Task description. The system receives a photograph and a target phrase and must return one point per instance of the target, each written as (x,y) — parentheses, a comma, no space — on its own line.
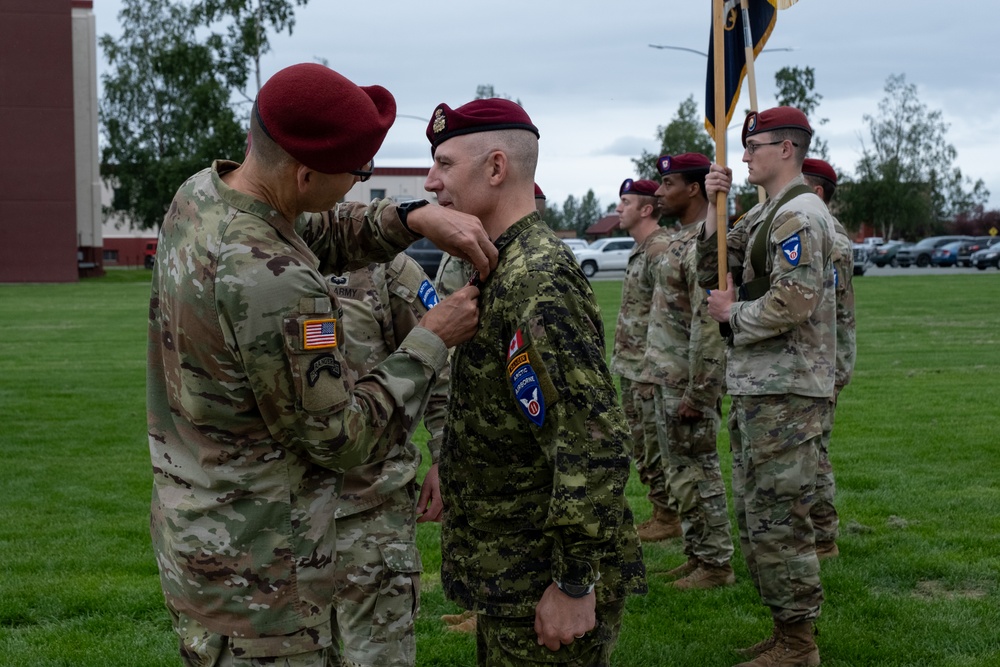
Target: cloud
(627,147)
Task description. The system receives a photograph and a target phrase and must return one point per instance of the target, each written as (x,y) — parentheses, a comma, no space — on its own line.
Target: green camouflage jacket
(843,264)
(250,404)
(382,303)
(536,449)
(785,341)
(684,351)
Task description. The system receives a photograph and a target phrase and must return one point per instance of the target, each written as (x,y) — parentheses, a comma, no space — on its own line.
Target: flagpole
(751,77)
(719,59)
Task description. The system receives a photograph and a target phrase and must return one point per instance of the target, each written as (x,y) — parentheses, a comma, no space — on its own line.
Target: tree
(245,40)
(684,134)
(485,91)
(906,180)
(796,88)
(165,111)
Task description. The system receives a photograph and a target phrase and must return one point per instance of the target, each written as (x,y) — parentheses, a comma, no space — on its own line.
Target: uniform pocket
(399,590)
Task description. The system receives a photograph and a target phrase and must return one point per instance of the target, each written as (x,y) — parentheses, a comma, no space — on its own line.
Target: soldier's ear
(498,165)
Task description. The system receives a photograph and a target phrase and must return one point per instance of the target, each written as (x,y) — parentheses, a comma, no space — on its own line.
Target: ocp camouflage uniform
(250,408)
(378,566)
(453,274)
(685,360)
(780,373)
(824,513)
(638,398)
(535,454)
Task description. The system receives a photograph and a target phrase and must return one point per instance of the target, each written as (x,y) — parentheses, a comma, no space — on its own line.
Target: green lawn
(915,451)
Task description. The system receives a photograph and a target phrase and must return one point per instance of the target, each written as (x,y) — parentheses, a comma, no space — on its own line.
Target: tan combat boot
(761,646)
(689,566)
(468,626)
(455,619)
(707,576)
(826,550)
(663,525)
(794,647)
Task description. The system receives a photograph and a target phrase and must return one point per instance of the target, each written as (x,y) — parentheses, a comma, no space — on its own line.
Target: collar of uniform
(515,230)
(241,200)
(759,212)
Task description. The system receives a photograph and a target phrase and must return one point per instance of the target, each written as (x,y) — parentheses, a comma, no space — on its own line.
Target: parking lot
(873,272)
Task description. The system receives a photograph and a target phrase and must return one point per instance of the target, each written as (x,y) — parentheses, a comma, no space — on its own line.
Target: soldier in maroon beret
(537,536)
(539,200)
(780,372)
(251,412)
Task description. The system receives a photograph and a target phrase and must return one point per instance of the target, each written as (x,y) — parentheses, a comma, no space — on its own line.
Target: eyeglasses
(365,172)
(753,146)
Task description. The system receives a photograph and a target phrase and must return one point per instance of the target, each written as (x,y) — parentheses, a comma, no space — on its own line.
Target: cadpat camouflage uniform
(378,566)
(631,335)
(780,373)
(535,455)
(824,514)
(250,408)
(685,360)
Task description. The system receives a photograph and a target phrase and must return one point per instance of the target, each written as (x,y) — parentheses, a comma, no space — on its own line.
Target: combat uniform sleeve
(411,295)
(797,280)
(706,349)
(708,255)
(287,331)
(583,434)
(843,262)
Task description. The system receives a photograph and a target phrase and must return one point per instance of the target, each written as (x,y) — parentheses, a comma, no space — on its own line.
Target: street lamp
(702,53)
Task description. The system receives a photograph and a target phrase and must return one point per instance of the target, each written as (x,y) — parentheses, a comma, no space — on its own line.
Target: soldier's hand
(719,179)
(430,505)
(720,301)
(560,619)
(458,234)
(456,318)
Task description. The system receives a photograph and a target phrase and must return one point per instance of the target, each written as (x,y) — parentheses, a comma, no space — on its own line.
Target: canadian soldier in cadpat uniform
(822,178)
(685,361)
(639,214)
(378,566)
(779,371)
(537,535)
(251,412)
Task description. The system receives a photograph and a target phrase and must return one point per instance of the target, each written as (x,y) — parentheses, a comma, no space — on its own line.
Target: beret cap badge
(439,121)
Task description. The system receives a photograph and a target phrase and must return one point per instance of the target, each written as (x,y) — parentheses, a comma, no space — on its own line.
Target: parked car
(920,253)
(605,255)
(987,257)
(862,258)
(885,254)
(427,254)
(975,245)
(946,255)
(576,244)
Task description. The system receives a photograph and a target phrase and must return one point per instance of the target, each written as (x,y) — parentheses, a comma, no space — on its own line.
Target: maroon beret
(813,167)
(643,187)
(538,192)
(778,118)
(477,116)
(678,164)
(322,119)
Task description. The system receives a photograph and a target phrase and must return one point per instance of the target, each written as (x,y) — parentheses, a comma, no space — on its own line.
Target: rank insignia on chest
(428,296)
(318,334)
(527,389)
(792,250)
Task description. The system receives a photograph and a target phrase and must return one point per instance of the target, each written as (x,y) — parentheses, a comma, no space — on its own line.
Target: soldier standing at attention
(821,177)
(685,361)
(378,566)
(639,214)
(779,372)
(249,406)
(537,536)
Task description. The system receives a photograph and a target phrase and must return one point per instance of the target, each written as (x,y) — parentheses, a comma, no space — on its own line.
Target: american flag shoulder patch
(317,334)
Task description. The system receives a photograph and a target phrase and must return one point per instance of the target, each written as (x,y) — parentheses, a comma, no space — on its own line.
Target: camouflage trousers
(826,521)
(512,642)
(378,583)
(775,443)
(638,403)
(200,647)
(694,479)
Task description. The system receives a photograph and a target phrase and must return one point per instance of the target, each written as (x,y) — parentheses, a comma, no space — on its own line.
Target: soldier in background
(537,535)
(685,361)
(639,214)
(249,407)
(779,371)
(378,566)
(821,177)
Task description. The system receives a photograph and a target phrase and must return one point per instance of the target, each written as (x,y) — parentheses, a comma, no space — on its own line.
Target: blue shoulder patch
(527,389)
(836,277)
(792,249)
(428,296)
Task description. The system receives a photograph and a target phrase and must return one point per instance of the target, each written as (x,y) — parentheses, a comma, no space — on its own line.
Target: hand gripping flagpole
(719,60)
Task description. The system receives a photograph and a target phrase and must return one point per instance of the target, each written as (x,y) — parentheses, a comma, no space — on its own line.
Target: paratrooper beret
(643,187)
(484,115)
(778,118)
(813,167)
(678,164)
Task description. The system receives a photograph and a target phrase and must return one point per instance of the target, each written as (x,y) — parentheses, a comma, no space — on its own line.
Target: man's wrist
(575,591)
(407,207)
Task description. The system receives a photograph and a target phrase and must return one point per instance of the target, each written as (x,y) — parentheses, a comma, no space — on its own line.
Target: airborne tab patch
(317,334)
(791,248)
(427,295)
(527,389)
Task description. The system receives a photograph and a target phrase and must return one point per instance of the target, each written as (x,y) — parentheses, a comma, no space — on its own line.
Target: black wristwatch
(575,590)
(404,209)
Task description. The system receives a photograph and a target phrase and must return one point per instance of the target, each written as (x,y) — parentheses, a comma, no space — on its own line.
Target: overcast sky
(584,71)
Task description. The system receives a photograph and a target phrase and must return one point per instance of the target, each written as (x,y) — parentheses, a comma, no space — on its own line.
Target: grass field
(915,451)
